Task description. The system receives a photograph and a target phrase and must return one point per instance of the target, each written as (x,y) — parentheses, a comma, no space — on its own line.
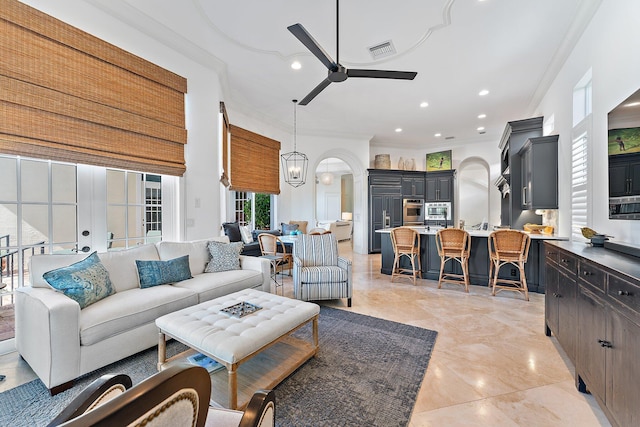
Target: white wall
(609,46)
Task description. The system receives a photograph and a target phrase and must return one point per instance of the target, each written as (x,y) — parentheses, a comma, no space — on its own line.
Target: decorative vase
(410,164)
(401,163)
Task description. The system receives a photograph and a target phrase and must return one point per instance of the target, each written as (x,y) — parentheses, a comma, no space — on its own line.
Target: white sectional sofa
(62,342)
(340,229)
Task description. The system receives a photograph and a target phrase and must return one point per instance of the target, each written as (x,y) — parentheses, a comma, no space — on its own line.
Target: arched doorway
(473,191)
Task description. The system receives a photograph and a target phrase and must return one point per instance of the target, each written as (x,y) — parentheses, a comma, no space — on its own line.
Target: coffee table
(257,349)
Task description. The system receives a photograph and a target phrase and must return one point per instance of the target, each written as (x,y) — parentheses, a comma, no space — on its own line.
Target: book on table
(205,361)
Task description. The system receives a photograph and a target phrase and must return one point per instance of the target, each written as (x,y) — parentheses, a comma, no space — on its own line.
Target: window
(134,208)
(580,185)
(579,193)
(582,99)
(38,214)
(245,204)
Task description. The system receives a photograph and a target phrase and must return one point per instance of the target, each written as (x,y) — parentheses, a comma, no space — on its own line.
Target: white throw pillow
(246,234)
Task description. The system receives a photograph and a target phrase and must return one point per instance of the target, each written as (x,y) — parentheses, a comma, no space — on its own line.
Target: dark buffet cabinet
(592,306)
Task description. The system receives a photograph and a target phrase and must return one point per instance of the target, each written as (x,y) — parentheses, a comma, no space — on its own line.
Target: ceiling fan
(338,73)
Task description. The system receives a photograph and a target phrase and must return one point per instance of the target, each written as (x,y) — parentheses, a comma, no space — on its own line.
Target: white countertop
(477,233)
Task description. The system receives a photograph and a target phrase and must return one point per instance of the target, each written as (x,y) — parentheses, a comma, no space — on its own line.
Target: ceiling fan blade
(382,74)
(303,35)
(315,92)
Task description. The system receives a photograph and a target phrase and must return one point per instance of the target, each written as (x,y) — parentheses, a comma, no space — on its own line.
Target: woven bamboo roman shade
(255,162)
(67,95)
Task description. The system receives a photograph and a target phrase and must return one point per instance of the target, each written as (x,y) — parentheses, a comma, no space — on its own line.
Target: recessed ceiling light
(481,128)
(424,104)
(632,104)
(482,116)
(483,92)
(296,65)
(437,135)
(398,130)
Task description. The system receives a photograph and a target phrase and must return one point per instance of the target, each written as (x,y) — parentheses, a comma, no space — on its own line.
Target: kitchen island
(478,258)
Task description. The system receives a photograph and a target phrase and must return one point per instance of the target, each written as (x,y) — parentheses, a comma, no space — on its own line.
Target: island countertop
(478,260)
(476,233)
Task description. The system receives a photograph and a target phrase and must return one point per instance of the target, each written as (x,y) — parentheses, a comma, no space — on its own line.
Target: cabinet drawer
(589,273)
(385,180)
(551,253)
(624,292)
(568,262)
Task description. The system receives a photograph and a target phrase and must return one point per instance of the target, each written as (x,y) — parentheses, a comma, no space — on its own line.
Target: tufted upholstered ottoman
(261,341)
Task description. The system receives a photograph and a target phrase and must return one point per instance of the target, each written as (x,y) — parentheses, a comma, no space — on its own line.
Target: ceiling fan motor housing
(338,75)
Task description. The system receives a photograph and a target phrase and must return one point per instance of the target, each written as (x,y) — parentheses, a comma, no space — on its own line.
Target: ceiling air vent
(449,137)
(382,50)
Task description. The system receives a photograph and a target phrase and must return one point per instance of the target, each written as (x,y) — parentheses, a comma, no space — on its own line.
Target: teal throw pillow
(153,273)
(85,282)
(224,256)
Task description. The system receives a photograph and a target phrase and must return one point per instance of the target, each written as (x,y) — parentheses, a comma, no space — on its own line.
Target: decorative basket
(383,161)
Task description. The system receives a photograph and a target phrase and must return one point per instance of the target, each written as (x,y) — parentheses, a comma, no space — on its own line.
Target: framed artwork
(623,141)
(440,161)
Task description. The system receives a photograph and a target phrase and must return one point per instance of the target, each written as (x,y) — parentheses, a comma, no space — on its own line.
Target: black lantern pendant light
(294,163)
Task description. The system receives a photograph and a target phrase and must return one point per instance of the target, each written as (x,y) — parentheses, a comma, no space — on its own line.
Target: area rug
(367,373)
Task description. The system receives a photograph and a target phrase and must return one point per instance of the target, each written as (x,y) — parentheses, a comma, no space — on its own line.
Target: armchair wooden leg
(348,302)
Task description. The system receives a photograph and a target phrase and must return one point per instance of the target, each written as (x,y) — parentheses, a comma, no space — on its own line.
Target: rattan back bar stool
(508,247)
(454,244)
(406,242)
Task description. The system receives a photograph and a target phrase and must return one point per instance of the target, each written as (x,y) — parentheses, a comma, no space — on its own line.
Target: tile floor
(492,365)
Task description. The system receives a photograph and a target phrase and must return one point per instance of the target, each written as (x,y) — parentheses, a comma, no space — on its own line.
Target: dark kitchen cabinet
(509,183)
(385,204)
(413,185)
(624,175)
(539,173)
(439,186)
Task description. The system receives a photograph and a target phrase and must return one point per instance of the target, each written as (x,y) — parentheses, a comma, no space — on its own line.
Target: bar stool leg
(523,280)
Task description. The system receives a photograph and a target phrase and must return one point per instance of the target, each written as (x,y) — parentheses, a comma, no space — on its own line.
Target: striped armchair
(318,272)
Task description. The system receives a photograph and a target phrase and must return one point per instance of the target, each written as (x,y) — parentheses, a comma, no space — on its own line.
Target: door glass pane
(8,225)
(136,188)
(35,224)
(34,181)
(64,223)
(115,186)
(9,188)
(136,221)
(63,183)
(116,216)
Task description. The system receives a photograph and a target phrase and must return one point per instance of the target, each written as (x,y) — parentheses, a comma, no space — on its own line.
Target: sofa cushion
(287,229)
(232,231)
(40,264)
(323,274)
(246,234)
(209,286)
(197,250)
(127,310)
(85,282)
(224,256)
(154,273)
(302,225)
(121,265)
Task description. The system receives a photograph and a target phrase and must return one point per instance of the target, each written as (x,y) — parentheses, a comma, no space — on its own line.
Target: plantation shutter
(255,164)
(579,195)
(67,95)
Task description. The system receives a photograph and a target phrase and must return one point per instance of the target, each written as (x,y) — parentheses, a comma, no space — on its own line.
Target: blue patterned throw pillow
(85,282)
(153,273)
(224,256)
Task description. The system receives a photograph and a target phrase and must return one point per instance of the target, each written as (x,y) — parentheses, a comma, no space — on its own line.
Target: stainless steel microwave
(624,207)
(437,211)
